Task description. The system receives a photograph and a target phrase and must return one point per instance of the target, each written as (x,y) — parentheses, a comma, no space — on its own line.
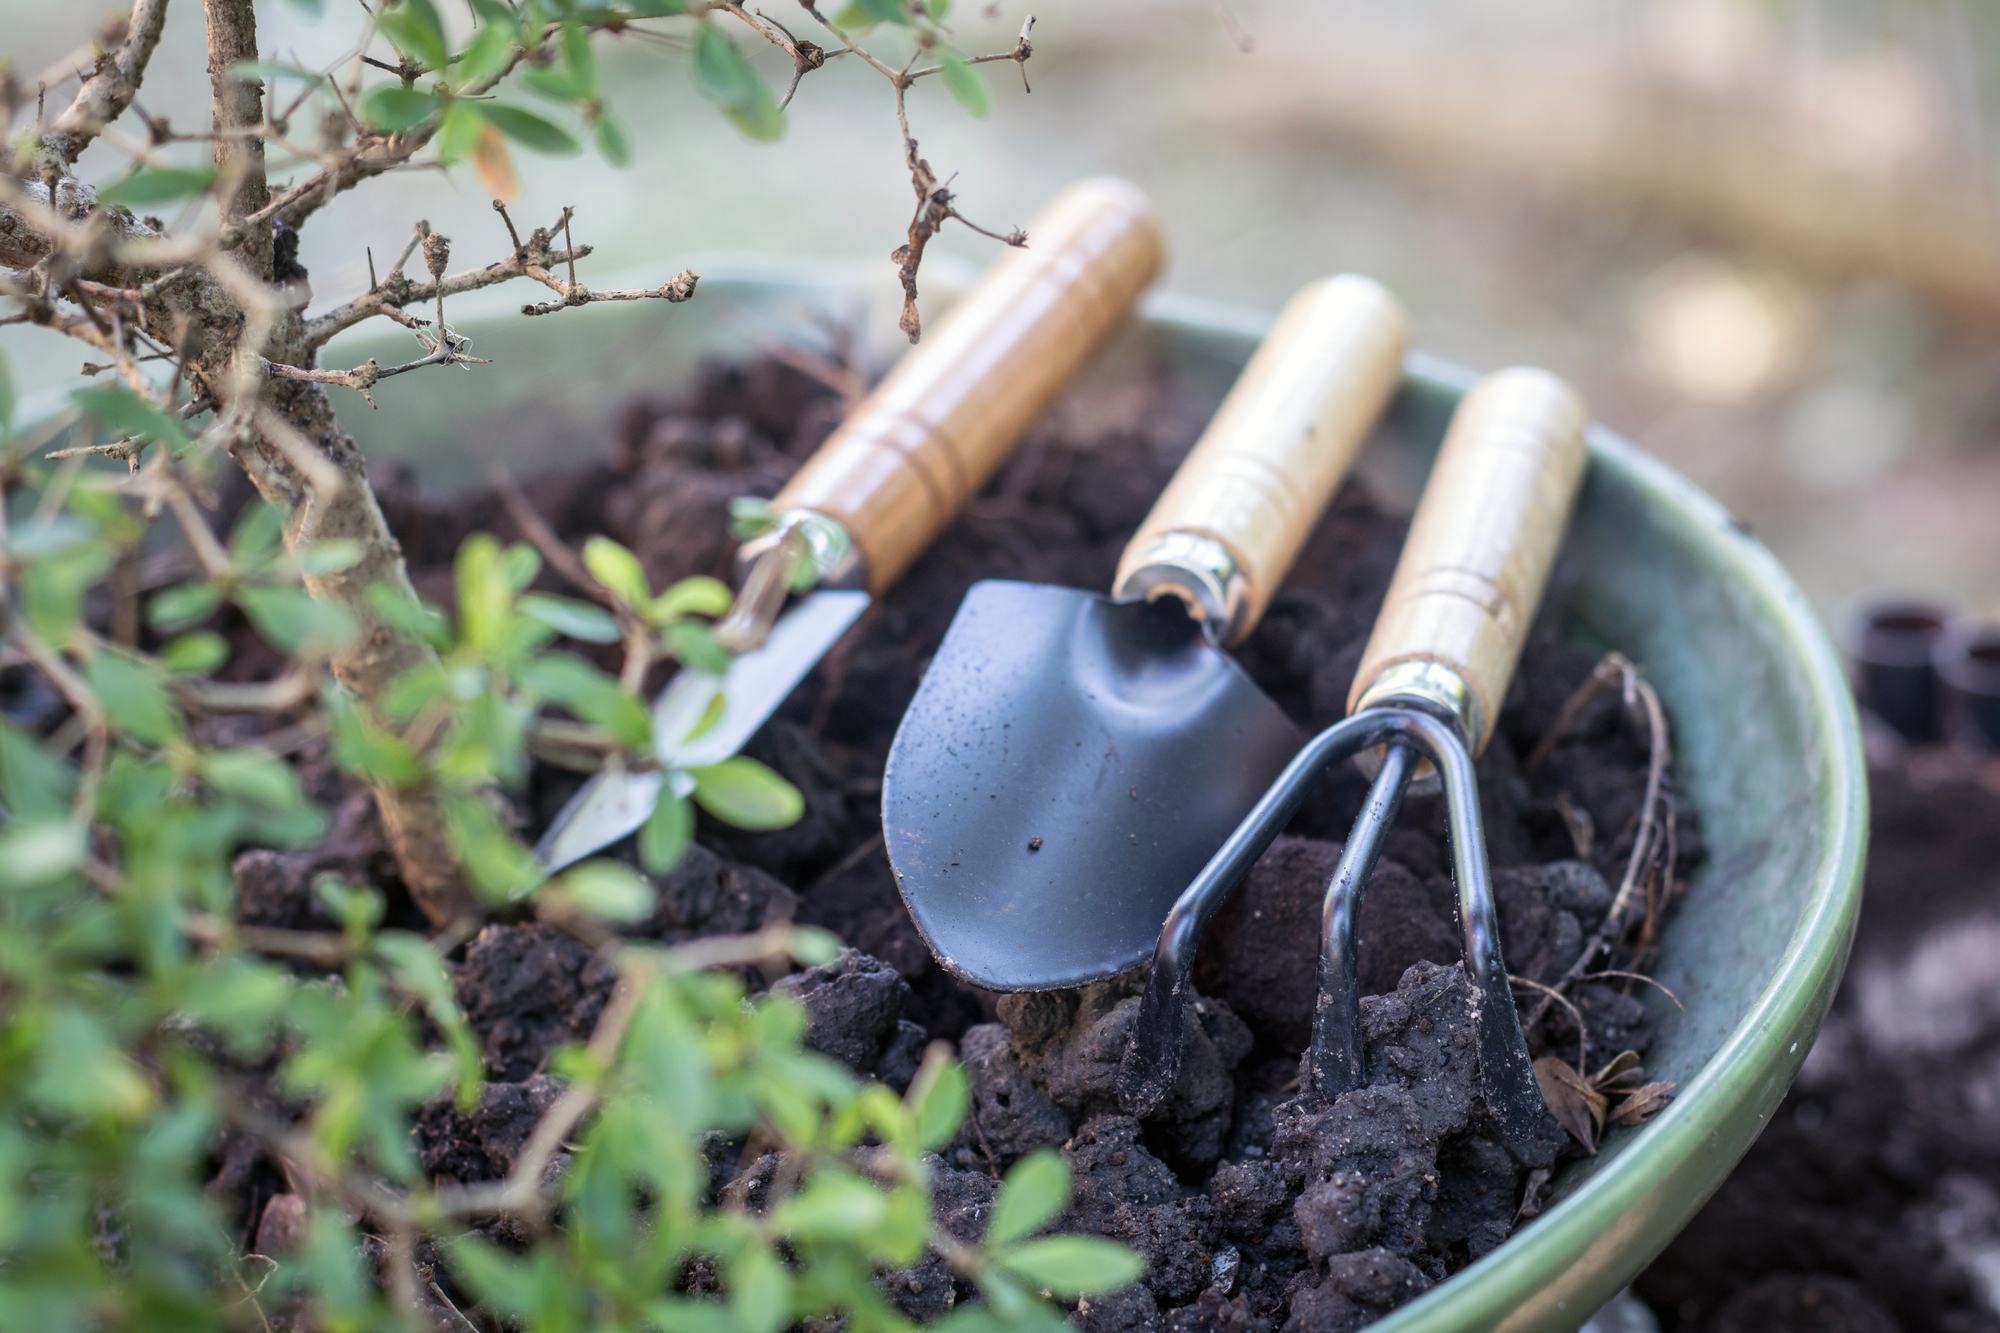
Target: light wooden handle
(1483,540)
(931,434)
(1233,518)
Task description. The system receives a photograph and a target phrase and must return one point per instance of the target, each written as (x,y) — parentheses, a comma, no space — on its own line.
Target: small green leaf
(578,56)
(34,784)
(1031,1196)
(853,19)
(695,644)
(618,570)
(611,140)
(657,9)
(413,27)
(296,621)
(937,9)
(836,1205)
(367,751)
(742,792)
(496,862)
(724,77)
(1075,1266)
(579,620)
(401,612)
(609,890)
(751,516)
(254,776)
(967,84)
(557,84)
(885,11)
(330,557)
(458,132)
(127,413)
(697,595)
(187,604)
(133,697)
(157,185)
(392,108)
(813,947)
(664,837)
(195,654)
(760,1291)
(937,1101)
(488,52)
(530,130)
(35,851)
(255,537)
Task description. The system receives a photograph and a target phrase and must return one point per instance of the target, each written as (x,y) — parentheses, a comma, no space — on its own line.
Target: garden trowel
(887,482)
(1070,760)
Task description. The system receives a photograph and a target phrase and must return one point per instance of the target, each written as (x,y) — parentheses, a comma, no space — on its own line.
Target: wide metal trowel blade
(1067,766)
(614,804)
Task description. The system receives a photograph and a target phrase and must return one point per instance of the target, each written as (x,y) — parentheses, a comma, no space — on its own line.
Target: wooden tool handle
(1270,460)
(1483,539)
(932,433)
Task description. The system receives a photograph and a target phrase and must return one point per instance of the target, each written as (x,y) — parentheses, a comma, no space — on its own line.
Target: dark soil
(1872,1202)
(1254,1206)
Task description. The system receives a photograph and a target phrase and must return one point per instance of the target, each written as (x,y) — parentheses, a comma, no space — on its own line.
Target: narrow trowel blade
(1067,766)
(614,804)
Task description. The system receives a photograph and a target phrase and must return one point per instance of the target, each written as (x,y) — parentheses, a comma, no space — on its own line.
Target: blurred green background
(1759,236)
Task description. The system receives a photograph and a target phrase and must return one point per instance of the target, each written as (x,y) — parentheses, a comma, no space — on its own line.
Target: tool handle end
(1229,525)
(1483,540)
(924,441)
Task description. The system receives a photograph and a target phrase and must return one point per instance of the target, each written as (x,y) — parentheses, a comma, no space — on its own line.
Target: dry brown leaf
(1642,1104)
(495,165)
(1622,1064)
(1531,1196)
(1577,1107)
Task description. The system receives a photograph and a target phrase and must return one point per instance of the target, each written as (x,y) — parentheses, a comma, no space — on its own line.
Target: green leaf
(6,399)
(401,612)
(195,654)
(1074,1266)
(530,130)
(937,9)
(590,694)
(696,595)
(34,784)
(724,77)
(814,947)
(366,750)
(1031,1196)
(392,108)
(609,890)
(760,1291)
(187,604)
(255,537)
(751,516)
(967,84)
(657,9)
(133,697)
(579,620)
(742,792)
(836,1205)
(35,851)
(458,132)
(495,861)
(885,11)
(853,19)
(253,776)
(127,413)
(937,1100)
(664,837)
(330,557)
(414,29)
(618,570)
(296,621)
(557,84)
(577,55)
(611,140)
(157,185)
(696,645)
(488,52)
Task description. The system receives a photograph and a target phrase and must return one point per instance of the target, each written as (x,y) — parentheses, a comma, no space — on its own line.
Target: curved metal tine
(1516,1095)
(1334,1060)
(1152,1063)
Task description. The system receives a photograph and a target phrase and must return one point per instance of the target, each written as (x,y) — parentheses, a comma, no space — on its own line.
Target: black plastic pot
(1891,644)
(1967,661)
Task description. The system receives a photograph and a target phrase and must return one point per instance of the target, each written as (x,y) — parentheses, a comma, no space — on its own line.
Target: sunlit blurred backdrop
(1759,234)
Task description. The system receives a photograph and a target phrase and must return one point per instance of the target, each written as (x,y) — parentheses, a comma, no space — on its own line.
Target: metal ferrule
(834,555)
(1432,687)
(1197,570)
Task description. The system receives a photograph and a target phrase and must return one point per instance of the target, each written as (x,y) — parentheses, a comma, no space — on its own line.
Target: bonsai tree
(212,307)
(145,1032)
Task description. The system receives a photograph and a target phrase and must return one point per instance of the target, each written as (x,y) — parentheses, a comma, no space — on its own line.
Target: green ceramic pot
(1765,737)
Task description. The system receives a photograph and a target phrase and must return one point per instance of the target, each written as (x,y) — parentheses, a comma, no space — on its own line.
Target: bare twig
(106,94)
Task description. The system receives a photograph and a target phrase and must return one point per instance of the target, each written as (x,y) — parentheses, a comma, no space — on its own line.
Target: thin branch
(106,94)
(544,539)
